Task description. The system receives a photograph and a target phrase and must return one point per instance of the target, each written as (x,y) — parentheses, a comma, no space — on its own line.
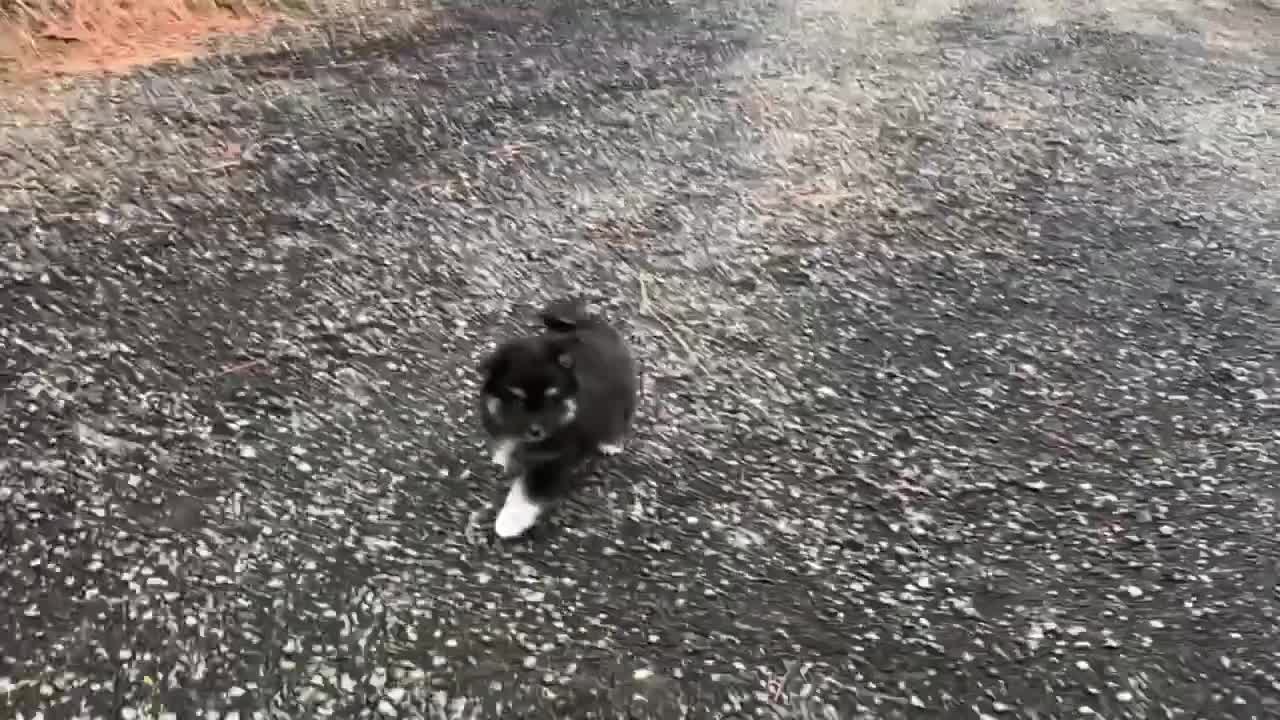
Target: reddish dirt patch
(82,36)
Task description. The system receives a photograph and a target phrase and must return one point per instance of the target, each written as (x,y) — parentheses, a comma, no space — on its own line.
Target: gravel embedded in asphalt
(959,327)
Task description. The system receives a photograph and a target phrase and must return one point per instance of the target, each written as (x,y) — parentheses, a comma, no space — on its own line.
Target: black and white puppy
(551,400)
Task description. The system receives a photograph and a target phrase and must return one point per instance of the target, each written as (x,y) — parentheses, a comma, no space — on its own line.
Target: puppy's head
(529,388)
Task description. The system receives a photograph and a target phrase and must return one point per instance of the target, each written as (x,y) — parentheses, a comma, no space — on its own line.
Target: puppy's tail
(566,315)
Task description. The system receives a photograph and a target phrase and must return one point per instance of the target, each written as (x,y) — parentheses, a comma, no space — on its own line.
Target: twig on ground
(863,692)
(240,367)
(644,295)
(221,166)
(666,322)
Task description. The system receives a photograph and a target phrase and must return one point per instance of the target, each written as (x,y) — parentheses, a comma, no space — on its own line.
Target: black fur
(576,358)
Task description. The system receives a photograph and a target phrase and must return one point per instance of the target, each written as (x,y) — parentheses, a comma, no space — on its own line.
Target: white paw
(503,450)
(610,448)
(518,513)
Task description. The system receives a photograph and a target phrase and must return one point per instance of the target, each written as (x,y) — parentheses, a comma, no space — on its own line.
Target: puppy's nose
(537,433)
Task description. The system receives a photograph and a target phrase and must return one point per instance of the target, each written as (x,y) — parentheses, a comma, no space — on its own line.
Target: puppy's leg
(519,512)
(615,440)
(529,498)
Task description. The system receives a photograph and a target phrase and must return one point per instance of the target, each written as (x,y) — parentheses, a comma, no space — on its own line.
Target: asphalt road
(959,326)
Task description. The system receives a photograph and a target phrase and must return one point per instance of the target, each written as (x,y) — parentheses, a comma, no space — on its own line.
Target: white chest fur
(502,452)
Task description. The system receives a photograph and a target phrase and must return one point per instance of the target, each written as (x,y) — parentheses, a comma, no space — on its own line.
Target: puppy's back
(606,369)
(568,315)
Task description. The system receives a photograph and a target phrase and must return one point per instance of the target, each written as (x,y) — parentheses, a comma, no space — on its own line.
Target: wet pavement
(959,327)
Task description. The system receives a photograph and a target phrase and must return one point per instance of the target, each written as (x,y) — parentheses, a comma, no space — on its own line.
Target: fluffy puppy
(551,400)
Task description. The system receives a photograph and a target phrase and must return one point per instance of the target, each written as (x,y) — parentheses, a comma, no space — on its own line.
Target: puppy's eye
(516,392)
(493,405)
(552,392)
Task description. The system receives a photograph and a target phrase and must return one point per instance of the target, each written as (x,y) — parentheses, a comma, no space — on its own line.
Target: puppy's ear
(491,365)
